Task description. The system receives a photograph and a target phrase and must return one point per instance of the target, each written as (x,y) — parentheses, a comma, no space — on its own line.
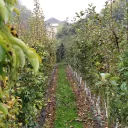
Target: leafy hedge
(96,46)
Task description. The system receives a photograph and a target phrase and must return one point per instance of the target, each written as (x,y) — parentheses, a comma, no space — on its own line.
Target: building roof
(52,20)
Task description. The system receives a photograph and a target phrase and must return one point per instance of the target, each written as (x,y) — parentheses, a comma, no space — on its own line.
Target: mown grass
(66,112)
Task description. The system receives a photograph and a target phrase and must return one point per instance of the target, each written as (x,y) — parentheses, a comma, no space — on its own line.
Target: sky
(61,9)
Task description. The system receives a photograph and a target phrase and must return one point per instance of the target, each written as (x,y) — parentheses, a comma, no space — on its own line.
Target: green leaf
(2,53)
(114,78)
(99,83)
(34,59)
(16,11)
(96,75)
(81,13)
(3,109)
(124,86)
(107,75)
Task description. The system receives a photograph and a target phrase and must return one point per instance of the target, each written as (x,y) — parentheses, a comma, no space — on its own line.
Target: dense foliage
(33,87)
(96,47)
(21,84)
(60,53)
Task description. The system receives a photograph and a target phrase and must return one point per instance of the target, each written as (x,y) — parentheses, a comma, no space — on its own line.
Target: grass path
(66,110)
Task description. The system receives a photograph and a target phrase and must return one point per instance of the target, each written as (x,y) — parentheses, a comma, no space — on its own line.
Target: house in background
(52,26)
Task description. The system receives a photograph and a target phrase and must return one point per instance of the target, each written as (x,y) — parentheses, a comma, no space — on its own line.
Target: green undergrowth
(66,111)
